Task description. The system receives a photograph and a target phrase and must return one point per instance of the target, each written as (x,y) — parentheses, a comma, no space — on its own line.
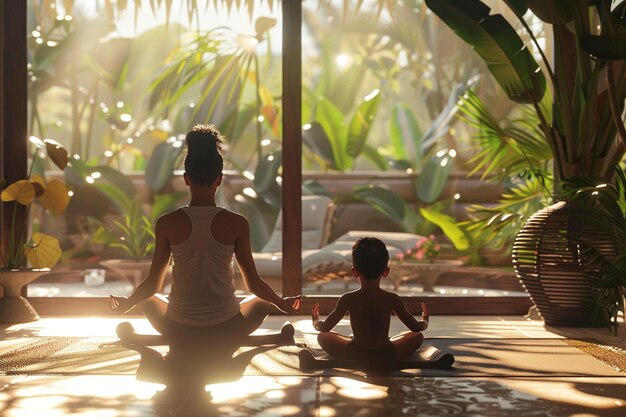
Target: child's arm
(332,319)
(408,319)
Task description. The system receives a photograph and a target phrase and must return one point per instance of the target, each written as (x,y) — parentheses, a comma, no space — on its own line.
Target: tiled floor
(345,395)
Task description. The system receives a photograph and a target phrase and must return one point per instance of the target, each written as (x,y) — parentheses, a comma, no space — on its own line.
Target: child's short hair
(370,257)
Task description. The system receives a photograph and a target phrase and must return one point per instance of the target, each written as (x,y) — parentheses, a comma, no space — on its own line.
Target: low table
(423,272)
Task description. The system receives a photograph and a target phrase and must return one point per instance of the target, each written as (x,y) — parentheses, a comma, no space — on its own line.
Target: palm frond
(192,8)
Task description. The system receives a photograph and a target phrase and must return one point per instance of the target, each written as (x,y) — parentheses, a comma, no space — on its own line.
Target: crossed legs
(253,309)
(336,344)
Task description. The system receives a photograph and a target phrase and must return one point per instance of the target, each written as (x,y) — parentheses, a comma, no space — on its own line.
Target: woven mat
(474,357)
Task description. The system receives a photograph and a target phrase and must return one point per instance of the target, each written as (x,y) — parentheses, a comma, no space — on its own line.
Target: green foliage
(498,44)
(338,143)
(512,151)
(448,225)
(136,236)
(504,148)
(582,130)
(607,275)
(166,156)
(497,225)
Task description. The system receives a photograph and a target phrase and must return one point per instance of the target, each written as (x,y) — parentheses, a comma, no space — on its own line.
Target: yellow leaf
(43,251)
(21,191)
(262,25)
(38,179)
(57,153)
(39,183)
(56,197)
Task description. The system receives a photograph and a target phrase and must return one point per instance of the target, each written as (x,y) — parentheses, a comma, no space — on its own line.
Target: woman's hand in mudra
(291,305)
(119,304)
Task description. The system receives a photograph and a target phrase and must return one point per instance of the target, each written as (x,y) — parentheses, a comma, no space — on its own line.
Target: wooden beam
(438,306)
(13,103)
(292,147)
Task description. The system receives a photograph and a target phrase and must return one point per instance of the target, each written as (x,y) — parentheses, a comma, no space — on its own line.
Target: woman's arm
(254,283)
(153,282)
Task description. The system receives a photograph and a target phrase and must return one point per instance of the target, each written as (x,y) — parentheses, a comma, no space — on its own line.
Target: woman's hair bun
(204,140)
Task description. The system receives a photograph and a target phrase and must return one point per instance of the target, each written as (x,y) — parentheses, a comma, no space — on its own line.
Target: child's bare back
(370,316)
(370,309)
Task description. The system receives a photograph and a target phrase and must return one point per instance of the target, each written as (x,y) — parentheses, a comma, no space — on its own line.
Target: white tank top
(203,290)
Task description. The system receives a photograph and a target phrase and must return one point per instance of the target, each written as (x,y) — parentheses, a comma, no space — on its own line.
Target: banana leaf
(265,185)
(361,123)
(372,155)
(314,138)
(405,134)
(445,119)
(382,200)
(331,120)
(346,87)
(448,226)
(117,197)
(498,44)
(165,158)
(432,180)
(605,47)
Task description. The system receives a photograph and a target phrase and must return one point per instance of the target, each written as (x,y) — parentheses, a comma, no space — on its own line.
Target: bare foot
(286,334)
(125,331)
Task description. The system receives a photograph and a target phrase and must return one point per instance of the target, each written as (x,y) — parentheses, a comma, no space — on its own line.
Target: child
(370,309)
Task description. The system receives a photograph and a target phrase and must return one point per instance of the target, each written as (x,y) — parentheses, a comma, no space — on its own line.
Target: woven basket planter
(548,262)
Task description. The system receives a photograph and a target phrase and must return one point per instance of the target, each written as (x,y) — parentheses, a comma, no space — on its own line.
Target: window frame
(14,159)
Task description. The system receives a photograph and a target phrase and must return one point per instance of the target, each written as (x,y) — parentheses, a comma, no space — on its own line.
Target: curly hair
(370,256)
(203,156)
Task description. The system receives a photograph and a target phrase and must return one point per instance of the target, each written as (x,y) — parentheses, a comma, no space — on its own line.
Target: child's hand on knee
(315,315)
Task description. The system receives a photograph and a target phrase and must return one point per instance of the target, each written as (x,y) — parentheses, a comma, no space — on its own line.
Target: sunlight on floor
(587,392)
(337,395)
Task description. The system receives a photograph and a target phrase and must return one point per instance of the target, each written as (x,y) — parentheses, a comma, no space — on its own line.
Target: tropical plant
(510,151)
(419,153)
(585,81)
(40,250)
(220,62)
(135,234)
(588,89)
(337,143)
(607,202)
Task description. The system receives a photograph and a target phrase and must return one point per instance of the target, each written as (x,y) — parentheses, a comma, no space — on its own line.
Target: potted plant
(133,234)
(23,258)
(585,81)
(421,263)
(608,273)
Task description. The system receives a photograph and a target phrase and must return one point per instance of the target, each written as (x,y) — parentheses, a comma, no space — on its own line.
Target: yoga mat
(474,357)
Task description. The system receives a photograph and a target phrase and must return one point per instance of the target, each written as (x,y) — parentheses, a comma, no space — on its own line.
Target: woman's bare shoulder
(172,216)
(232,216)
(172,220)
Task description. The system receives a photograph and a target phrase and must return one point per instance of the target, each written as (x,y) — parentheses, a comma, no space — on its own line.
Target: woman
(202,238)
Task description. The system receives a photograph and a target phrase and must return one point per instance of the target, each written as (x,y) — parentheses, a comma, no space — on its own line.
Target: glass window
(119,93)
(383,150)
(382,137)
